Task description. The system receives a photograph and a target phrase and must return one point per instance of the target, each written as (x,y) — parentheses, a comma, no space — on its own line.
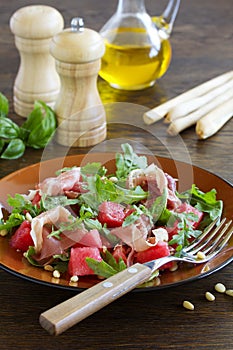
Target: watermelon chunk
(160,250)
(21,239)
(111,213)
(77,264)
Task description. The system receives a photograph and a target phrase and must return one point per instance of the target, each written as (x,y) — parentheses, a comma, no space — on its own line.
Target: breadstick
(213,121)
(180,124)
(185,108)
(160,111)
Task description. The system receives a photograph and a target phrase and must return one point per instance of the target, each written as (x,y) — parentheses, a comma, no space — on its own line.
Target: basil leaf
(4,105)
(2,144)
(41,124)
(8,129)
(15,149)
(33,119)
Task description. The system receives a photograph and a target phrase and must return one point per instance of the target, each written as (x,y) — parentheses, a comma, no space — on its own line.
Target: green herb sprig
(35,132)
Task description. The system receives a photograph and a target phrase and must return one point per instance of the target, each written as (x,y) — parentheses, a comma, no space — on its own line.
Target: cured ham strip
(52,217)
(47,247)
(52,246)
(135,235)
(30,196)
(149,175)
(154,180)
(54,186)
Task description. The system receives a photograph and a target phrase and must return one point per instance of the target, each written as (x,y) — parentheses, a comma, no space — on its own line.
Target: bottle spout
(165,22)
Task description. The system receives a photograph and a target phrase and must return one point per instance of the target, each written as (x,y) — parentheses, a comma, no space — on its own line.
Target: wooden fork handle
(65,315)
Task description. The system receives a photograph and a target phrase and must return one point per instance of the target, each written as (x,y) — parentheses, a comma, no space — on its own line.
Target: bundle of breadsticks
(209,106)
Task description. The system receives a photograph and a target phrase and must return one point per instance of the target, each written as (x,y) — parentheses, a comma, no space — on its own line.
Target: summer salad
(86,221)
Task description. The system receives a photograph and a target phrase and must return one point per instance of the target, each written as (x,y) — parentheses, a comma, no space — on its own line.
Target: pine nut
(220,288)
(48,268)
(113,179)
(3,232)
(209,296)
(201,256)
(56,274)
(174,267)
(229,292)
(28,217)
(74,279)
(187,305)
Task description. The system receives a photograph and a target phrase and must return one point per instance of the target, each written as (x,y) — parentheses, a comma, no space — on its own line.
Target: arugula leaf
(100,268)
(165,217)
(73,224)
(110,260)
(61,262)
(136,213)
(4,105)
(185,231)
(61,265)
(91,224)
(86,212)
(93,169)
(128,161)
(159,206)
(101,190)
(106,267)
(14,220)
(29,256)
(50,202)
(63,170)
(20,204)
(205,202)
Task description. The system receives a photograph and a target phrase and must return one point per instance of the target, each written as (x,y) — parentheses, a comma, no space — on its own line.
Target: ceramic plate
(26,178)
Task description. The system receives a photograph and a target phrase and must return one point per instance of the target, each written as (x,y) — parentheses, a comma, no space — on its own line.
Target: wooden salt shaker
(37,78)
(79,109)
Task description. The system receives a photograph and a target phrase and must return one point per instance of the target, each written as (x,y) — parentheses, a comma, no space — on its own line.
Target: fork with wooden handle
(65,315)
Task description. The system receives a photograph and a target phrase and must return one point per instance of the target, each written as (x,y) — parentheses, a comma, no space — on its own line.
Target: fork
(63,316)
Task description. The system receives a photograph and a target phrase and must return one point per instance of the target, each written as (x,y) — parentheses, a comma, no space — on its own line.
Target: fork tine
(196,242)
(208,238)
(219,243)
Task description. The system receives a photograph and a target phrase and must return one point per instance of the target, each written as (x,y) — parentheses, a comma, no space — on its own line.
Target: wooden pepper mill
(37,78)
(79,109)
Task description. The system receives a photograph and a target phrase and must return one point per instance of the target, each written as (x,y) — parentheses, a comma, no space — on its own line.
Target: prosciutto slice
(46,247)
(151,175)
(135,235)
(52,217)
(54,186)
(155,181)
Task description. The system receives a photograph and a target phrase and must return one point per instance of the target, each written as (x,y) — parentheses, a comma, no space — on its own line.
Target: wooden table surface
(202,43)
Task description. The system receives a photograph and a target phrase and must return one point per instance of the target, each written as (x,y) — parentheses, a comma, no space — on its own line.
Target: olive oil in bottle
(136,65)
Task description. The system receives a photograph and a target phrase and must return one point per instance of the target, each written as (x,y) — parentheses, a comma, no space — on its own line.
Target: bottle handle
(165,22)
